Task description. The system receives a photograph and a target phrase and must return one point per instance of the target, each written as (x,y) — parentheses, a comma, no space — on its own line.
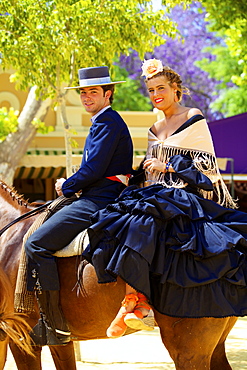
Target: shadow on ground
(142,351)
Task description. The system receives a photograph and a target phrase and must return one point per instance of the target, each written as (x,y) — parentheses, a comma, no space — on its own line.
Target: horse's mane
(12,193)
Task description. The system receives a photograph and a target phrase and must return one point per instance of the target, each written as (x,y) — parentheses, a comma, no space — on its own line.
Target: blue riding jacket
(108,152)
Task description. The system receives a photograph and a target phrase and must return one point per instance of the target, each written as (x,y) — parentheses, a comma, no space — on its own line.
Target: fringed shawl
(194,140)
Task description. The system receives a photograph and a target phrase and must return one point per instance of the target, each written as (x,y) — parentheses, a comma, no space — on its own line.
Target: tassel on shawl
(204,162)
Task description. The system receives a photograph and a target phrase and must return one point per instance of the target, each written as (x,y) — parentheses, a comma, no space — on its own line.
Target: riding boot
(38,333)
(52,328)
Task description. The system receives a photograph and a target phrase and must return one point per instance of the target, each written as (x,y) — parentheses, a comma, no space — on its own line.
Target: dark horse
(192,343)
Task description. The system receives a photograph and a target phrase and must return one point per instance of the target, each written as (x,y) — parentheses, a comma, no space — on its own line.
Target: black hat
(94,76)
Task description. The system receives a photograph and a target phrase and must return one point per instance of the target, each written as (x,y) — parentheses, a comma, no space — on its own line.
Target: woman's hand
(153,164)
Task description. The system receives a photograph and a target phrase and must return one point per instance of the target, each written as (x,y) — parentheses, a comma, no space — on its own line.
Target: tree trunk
(67,137)
(16,144)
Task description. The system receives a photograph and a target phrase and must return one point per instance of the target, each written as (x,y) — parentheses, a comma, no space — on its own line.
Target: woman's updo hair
(172,77)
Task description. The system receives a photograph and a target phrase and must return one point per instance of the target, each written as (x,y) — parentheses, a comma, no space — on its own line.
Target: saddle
(24,300)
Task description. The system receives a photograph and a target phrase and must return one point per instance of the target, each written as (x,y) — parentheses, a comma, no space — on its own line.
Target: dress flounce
(187,254)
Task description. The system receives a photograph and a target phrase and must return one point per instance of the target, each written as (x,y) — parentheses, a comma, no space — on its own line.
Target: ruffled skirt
(185,253)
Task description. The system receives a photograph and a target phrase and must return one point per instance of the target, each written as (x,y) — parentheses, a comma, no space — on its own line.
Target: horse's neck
(11,207)
(11,203)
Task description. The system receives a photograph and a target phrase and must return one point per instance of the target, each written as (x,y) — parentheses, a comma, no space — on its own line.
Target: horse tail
(12,325)
(15,327)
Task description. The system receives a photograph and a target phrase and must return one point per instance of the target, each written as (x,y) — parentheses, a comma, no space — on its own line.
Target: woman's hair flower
(151,67)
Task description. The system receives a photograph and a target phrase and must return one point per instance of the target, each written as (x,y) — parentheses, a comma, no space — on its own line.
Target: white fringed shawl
(196,141)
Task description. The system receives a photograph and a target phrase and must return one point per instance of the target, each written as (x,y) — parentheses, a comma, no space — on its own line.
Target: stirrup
(38,334)
(57,337)
(42,334)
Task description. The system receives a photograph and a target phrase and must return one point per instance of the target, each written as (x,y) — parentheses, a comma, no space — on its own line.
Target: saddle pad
(75,247)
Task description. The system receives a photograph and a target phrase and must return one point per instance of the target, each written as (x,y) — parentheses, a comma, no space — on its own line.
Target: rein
(29,214)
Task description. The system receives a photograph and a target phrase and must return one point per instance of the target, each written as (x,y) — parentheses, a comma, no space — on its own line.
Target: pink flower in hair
(151,67)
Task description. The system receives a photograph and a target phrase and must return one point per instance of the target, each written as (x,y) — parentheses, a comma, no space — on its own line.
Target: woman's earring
(175,97)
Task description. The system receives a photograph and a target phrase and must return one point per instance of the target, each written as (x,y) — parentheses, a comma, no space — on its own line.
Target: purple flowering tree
(182,56)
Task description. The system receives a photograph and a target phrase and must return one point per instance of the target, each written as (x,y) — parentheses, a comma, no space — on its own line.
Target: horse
(193,343)
(12,325)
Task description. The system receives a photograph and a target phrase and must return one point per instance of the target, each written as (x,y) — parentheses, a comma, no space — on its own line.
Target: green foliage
(74,143)
(127,96)
(183,3)
(224,14)
(46,42)
(232,99)
(41,126)
(229,18)
(8,122)
(224,67)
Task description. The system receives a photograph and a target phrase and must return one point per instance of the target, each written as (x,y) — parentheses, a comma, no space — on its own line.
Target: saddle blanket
(75,247)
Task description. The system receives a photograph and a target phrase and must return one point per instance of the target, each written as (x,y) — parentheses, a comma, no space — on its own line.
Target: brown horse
(12,325)
(192,343)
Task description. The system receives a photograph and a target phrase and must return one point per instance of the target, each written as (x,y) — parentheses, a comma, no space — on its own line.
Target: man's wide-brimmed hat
(94,76)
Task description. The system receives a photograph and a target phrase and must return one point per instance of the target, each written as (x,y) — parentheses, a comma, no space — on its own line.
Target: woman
(174,246)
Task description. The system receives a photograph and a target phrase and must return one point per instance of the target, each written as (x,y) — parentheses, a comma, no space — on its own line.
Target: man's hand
(58,186)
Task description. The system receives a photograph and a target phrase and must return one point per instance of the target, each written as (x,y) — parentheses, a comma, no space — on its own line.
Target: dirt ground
(141,351)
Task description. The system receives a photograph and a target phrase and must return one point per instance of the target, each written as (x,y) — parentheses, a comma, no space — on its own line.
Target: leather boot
(52,328)
(38,333)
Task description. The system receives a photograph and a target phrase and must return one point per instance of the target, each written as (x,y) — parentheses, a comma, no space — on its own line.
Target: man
(108,154)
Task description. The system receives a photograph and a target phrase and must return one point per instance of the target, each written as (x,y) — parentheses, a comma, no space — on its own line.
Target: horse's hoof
(134,322)
(38,334)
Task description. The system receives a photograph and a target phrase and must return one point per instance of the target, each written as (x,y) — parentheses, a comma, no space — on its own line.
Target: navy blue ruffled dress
(185,253)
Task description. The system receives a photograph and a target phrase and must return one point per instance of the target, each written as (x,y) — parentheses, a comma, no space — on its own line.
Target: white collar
(93,118)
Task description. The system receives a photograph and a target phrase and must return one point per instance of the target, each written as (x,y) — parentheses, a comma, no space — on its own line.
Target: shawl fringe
(204,162)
